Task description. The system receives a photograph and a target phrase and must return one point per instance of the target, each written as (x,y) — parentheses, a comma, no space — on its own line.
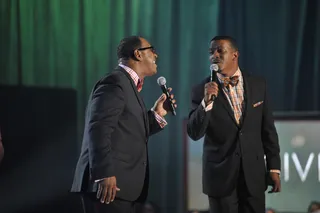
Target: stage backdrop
(300,176)
(72,43)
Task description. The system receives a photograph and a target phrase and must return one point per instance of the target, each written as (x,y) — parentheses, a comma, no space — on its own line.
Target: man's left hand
(275,177)
(162,105)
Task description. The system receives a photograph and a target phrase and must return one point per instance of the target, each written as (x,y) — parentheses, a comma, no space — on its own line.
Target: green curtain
(72,43)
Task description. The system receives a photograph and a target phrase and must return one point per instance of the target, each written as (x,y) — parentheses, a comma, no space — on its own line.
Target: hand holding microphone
(211,88)
(166,102)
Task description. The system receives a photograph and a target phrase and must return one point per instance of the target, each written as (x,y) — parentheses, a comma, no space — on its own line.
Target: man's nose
(216,54)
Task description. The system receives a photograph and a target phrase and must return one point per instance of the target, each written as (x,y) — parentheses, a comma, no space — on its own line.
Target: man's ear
(235,55)
(137,55)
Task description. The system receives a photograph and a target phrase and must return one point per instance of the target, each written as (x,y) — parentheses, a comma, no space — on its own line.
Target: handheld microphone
(162,83)
(213,68)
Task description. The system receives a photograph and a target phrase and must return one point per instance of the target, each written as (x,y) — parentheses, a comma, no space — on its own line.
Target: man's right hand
(107,189)
(210,89)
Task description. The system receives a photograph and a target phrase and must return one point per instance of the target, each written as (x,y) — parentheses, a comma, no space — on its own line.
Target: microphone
(213,68)
(162,83)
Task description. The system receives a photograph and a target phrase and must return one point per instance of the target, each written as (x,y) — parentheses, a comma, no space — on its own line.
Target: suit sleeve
(154,124)
(270,137)
(106,105)
(1,149)
(198,117)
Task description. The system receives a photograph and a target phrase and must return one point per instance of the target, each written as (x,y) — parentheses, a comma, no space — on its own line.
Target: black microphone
(213,68)
(162,83)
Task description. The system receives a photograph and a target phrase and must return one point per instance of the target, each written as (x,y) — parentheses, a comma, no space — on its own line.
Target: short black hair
(127,46)
(232,41)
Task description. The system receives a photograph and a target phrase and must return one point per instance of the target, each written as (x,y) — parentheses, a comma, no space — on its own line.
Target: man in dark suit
(112,171)
(238,130)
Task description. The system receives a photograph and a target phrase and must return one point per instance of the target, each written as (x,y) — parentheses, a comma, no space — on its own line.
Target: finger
(215,91)
(114,191)
(169,89)
(213,88)
(104,194)
(271,191)
(212,92)
(208,85)
(278,187)
(173,101)
(163,97)
(175,106)
(109,195)
(171,96)
(99,191)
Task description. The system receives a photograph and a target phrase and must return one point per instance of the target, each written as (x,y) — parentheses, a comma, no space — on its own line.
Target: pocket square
(257,104)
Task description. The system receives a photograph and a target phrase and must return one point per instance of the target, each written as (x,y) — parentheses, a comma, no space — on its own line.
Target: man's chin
(153,72)
(222,71)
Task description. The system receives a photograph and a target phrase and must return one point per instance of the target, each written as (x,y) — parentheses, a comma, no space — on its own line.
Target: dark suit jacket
(226,142)
(1,149)
(117,128)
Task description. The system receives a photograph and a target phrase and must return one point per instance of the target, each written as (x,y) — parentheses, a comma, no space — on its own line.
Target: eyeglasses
(146,48)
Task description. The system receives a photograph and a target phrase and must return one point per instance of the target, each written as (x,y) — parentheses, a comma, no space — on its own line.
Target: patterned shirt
(234,94)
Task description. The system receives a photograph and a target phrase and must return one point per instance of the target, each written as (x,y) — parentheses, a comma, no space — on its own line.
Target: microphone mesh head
(214,67)
(161,81)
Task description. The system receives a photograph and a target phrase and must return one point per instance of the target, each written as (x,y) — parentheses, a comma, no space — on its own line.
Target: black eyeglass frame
(146,48)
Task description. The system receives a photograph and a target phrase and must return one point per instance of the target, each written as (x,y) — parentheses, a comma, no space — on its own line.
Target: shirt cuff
(275,171)
(206,108)
(161,121)
(99,180)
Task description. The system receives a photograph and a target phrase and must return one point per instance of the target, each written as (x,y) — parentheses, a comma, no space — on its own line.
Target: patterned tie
(139,85)
(233,81)
(229,84)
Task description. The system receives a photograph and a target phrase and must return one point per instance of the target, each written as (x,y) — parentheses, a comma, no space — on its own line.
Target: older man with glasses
(113,170)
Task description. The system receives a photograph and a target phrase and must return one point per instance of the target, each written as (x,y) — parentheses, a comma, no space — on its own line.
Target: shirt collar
(238,73)
(131,72)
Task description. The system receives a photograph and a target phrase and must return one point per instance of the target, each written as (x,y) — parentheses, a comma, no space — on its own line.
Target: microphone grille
(161,81)
(214,67)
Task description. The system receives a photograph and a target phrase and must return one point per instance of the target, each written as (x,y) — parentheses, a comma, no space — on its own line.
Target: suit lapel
(142,105)
(247,86)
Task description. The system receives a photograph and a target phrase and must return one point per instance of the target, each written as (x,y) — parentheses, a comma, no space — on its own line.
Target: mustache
(216,61)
